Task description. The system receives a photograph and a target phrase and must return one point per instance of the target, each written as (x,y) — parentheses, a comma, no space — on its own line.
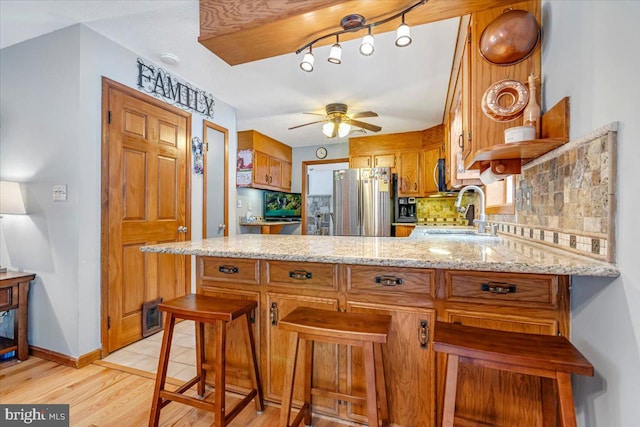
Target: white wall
(50,134)
(591,54)
(301,154)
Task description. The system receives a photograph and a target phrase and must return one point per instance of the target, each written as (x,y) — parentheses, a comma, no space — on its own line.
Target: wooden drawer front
(389,279)
(5,298)
(233,270)
(501,288)
(302,274)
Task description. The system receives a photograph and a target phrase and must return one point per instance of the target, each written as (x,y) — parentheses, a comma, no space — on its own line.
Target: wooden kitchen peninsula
(492,282)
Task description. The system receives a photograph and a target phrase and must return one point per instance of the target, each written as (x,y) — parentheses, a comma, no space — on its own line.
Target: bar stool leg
(370,379)
(308,379)
(565,398)
(201,373)
(549,402)
(381,385)
(221,339)
(161,376)
(451,386)
(289,378)
(255,375)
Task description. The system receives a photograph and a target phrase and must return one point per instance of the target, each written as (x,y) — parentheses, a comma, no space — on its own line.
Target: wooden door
(325,356)
(408,363)
(429,173)
(275,173)
(145,201)
(260,168)
(409,173)
(360,161)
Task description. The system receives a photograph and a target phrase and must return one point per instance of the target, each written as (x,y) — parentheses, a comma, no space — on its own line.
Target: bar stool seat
(218,312)
(553,358)
(365,330)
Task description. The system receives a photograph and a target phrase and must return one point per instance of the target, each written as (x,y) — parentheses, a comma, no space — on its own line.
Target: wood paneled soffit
(240,31)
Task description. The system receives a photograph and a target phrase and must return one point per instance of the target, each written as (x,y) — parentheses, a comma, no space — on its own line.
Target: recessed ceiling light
(169,58)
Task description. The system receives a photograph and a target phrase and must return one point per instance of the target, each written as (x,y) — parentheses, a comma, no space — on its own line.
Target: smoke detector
(169,58)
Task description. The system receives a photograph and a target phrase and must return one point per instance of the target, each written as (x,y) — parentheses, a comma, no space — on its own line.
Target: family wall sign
(159,83)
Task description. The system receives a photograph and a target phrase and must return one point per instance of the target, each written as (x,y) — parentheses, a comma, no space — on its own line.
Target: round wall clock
(321,152)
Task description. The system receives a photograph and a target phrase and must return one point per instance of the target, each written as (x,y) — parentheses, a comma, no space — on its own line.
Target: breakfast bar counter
(442,251)
(492,282)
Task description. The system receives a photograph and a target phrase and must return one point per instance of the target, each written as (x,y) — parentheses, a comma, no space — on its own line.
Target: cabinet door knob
(273,313)
(423,333)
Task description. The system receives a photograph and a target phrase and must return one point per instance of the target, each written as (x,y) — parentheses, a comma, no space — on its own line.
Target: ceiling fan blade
(307,124)
(364,114)
(366,126)
(316,114)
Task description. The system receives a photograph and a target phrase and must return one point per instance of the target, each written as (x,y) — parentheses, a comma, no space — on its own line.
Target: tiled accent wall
(318,218)
(442,210)
(573,197)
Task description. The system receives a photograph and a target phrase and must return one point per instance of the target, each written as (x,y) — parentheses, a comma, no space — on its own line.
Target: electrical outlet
(60,193)
(239,203)
(526,202)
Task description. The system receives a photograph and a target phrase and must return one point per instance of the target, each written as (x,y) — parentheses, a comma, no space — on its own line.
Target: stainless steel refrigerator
(362,202)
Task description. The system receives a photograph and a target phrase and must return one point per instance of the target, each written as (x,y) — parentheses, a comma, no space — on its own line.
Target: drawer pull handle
(498,288)
(423,333)
(228,269)
(273,313)
(389,280)
(300,274)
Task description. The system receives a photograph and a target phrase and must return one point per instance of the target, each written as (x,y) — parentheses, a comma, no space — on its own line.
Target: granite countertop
(445,251)
(271,223)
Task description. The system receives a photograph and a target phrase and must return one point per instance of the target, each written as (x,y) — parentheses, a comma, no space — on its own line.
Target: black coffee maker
(406,209)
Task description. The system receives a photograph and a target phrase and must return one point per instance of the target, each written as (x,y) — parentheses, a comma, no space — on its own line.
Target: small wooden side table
(14,289)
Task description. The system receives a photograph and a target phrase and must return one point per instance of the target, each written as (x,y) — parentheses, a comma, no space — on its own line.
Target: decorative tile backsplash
(572,197)
(442,210)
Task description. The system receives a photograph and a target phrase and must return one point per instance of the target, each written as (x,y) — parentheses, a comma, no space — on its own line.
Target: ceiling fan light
(403,35)
(367,46)
(327,129)
(307,62)
(343,129)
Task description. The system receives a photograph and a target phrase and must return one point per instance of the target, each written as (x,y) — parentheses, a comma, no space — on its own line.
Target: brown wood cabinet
(271,160)
(404,230)
(409,173)
(414,298)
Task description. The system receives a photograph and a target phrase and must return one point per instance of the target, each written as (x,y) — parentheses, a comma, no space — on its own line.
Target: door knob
(222,226)
(182,229)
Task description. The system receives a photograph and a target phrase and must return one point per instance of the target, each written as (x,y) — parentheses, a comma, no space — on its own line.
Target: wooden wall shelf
(555,132)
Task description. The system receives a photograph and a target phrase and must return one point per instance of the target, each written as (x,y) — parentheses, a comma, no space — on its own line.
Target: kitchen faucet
(482,218)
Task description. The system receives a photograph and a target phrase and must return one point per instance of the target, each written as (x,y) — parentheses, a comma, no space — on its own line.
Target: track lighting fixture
(307,61)
(336,52)
(367,48)
(403,35)
(354,23)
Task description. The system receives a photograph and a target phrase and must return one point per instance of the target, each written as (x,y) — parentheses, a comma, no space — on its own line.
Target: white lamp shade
(343,129)
(335,54)
(327,129)
(403,36)
(307,62)
(11,201)
(367,46)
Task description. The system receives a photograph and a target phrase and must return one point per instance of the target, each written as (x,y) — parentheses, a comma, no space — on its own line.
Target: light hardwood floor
(104,396)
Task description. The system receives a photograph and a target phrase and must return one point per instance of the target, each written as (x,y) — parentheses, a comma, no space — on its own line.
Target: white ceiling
(407,87)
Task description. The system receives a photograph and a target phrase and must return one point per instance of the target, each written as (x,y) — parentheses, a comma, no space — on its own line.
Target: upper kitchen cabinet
(270,165)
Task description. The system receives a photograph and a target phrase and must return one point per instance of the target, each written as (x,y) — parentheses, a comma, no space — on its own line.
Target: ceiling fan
(338,122)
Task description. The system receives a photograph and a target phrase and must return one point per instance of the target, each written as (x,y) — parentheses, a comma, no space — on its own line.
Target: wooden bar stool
(218,312)
(553,358)
(365,330)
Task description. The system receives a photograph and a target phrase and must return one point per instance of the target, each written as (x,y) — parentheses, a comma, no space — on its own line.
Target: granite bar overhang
(453,252)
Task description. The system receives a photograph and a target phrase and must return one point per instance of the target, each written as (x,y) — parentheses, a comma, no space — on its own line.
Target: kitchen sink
(424,231)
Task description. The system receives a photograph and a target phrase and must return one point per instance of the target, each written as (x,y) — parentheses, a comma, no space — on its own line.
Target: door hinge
(109,119)
(206,146)
(108,322)
(469,37)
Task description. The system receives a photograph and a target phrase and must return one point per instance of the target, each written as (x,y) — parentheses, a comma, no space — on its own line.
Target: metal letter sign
(159,83)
